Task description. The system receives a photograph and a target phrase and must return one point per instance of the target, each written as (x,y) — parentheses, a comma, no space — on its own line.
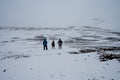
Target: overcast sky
(60,13)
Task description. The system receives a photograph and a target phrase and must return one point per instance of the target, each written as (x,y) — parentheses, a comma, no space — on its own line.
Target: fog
(60,13)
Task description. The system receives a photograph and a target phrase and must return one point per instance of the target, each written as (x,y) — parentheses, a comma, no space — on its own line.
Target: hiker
(53,44)
(45,44)
(60,42)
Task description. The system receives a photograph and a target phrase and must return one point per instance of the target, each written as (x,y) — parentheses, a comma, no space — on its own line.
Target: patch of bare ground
(106,57)
(17,56)
(105,53)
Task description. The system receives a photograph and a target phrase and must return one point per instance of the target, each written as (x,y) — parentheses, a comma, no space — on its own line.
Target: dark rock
(73,52)
(87,50)
(4,70)
(100,49)
(17,56)
(85,58)
(105,57)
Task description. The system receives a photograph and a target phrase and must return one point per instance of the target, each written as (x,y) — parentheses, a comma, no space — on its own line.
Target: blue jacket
(45,42)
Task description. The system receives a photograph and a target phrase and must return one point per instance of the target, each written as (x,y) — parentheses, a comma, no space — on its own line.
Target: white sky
(60,13)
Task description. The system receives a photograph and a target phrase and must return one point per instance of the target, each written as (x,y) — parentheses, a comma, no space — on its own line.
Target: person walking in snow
(60,42)
(53,44)
(45,44)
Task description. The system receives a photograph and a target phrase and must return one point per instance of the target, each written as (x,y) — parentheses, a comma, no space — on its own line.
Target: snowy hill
(88,53)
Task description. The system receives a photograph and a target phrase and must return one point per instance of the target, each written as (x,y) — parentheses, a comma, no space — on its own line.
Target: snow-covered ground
(22,56)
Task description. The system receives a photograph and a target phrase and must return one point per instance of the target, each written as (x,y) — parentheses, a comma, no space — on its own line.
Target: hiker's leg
(44,48)
(59,46)
(52,46)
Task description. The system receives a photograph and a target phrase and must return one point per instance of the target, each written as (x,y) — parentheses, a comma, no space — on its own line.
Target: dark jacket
(45,42)
(53,43)
(60,42)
